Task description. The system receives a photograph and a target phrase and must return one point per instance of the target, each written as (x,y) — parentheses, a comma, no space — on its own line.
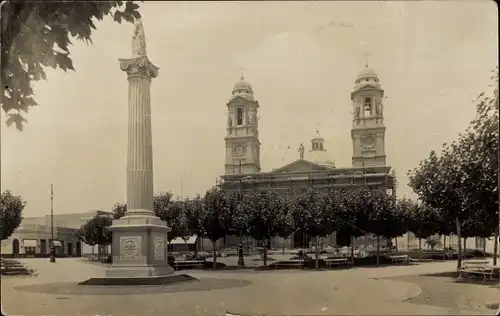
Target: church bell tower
(242,139)
(368,129)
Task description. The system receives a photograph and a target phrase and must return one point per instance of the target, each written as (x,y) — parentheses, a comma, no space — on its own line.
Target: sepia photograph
(244,158)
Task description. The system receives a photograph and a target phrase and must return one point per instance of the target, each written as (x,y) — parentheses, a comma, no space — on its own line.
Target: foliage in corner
(36,35)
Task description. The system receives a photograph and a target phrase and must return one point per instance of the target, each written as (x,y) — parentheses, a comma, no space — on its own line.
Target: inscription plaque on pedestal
(130,248)
(159,243)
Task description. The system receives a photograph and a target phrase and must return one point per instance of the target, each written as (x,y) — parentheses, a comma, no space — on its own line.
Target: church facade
(316,169)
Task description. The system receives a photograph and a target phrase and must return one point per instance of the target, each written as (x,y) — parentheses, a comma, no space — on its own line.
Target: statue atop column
(138,40)
(301,151)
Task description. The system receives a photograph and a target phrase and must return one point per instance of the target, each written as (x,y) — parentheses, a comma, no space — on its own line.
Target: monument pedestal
(139,247)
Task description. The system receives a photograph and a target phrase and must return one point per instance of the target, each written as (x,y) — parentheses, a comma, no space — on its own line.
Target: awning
(181,241)
(30,243)
(57,243)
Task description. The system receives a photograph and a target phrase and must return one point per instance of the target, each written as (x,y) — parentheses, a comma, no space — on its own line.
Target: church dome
(242,85)
(318,153)
(367,76)
(243,88)
(367,73)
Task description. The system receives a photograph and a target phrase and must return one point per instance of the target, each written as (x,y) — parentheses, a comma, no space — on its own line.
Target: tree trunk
(352,250)
(196,245)
(465,245)
(459,236)
(484,247)
(378,250)
(420,248)
(396,244)
(316,251)
(265,256)
(444,247)
(495,248)
(283,247)
(214,253)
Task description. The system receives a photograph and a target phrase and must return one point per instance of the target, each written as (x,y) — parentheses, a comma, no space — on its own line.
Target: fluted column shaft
(140,71)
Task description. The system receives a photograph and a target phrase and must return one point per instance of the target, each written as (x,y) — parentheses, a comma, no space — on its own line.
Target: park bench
(292,263)
(396,259)
(188,264)
(476,268)
(335,262)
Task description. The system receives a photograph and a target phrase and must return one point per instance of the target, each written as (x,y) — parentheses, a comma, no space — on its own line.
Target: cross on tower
(366,59)
(241,71)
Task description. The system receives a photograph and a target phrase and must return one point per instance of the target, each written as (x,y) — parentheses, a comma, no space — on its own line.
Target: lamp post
(52,249)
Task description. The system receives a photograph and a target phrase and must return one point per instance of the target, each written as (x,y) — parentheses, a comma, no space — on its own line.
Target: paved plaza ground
(384,290)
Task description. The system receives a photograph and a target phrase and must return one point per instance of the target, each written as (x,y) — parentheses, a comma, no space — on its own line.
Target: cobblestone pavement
(352,291)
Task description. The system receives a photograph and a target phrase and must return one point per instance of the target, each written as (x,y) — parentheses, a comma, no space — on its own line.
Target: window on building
(239,116)
(321,146)
(368,106)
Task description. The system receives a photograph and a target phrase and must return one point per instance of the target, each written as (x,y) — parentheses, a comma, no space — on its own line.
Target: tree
(481,159)
(119,210)
(86,234)
(96,232)
(432,241)
(193,211)
(286,227)
(239,222)
(312,213)
(161,203)
(266,215)
(36,35)
(422,221)
(438,181)
(11,208)
(215,218)
(352,214)
(384,219)
(175,218)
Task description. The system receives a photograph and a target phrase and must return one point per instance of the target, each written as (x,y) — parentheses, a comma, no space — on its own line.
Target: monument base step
(153,280)
(138,271)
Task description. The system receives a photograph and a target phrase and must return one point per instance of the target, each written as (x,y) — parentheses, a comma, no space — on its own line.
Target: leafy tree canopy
(266,213)
(313,213)
(216,214)
(11,208)
(420,220)
(36,35)
(352,213)
(96,232)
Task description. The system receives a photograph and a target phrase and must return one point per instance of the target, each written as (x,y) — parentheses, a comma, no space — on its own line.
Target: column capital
(140,66)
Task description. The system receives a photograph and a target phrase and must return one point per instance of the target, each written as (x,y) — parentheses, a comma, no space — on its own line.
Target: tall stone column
(139,238)
(140,71)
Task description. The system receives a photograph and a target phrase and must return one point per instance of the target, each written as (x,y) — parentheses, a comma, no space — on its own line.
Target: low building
(33,236)
(409,241)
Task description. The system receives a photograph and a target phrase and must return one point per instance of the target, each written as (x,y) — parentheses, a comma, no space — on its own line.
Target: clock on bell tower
(368,129)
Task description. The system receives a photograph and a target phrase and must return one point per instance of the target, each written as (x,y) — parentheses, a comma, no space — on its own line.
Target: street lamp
(52,249)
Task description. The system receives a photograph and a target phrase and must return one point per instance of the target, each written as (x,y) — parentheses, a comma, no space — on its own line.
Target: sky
(432,57)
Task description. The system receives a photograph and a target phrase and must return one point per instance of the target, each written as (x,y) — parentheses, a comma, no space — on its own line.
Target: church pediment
(300,166)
